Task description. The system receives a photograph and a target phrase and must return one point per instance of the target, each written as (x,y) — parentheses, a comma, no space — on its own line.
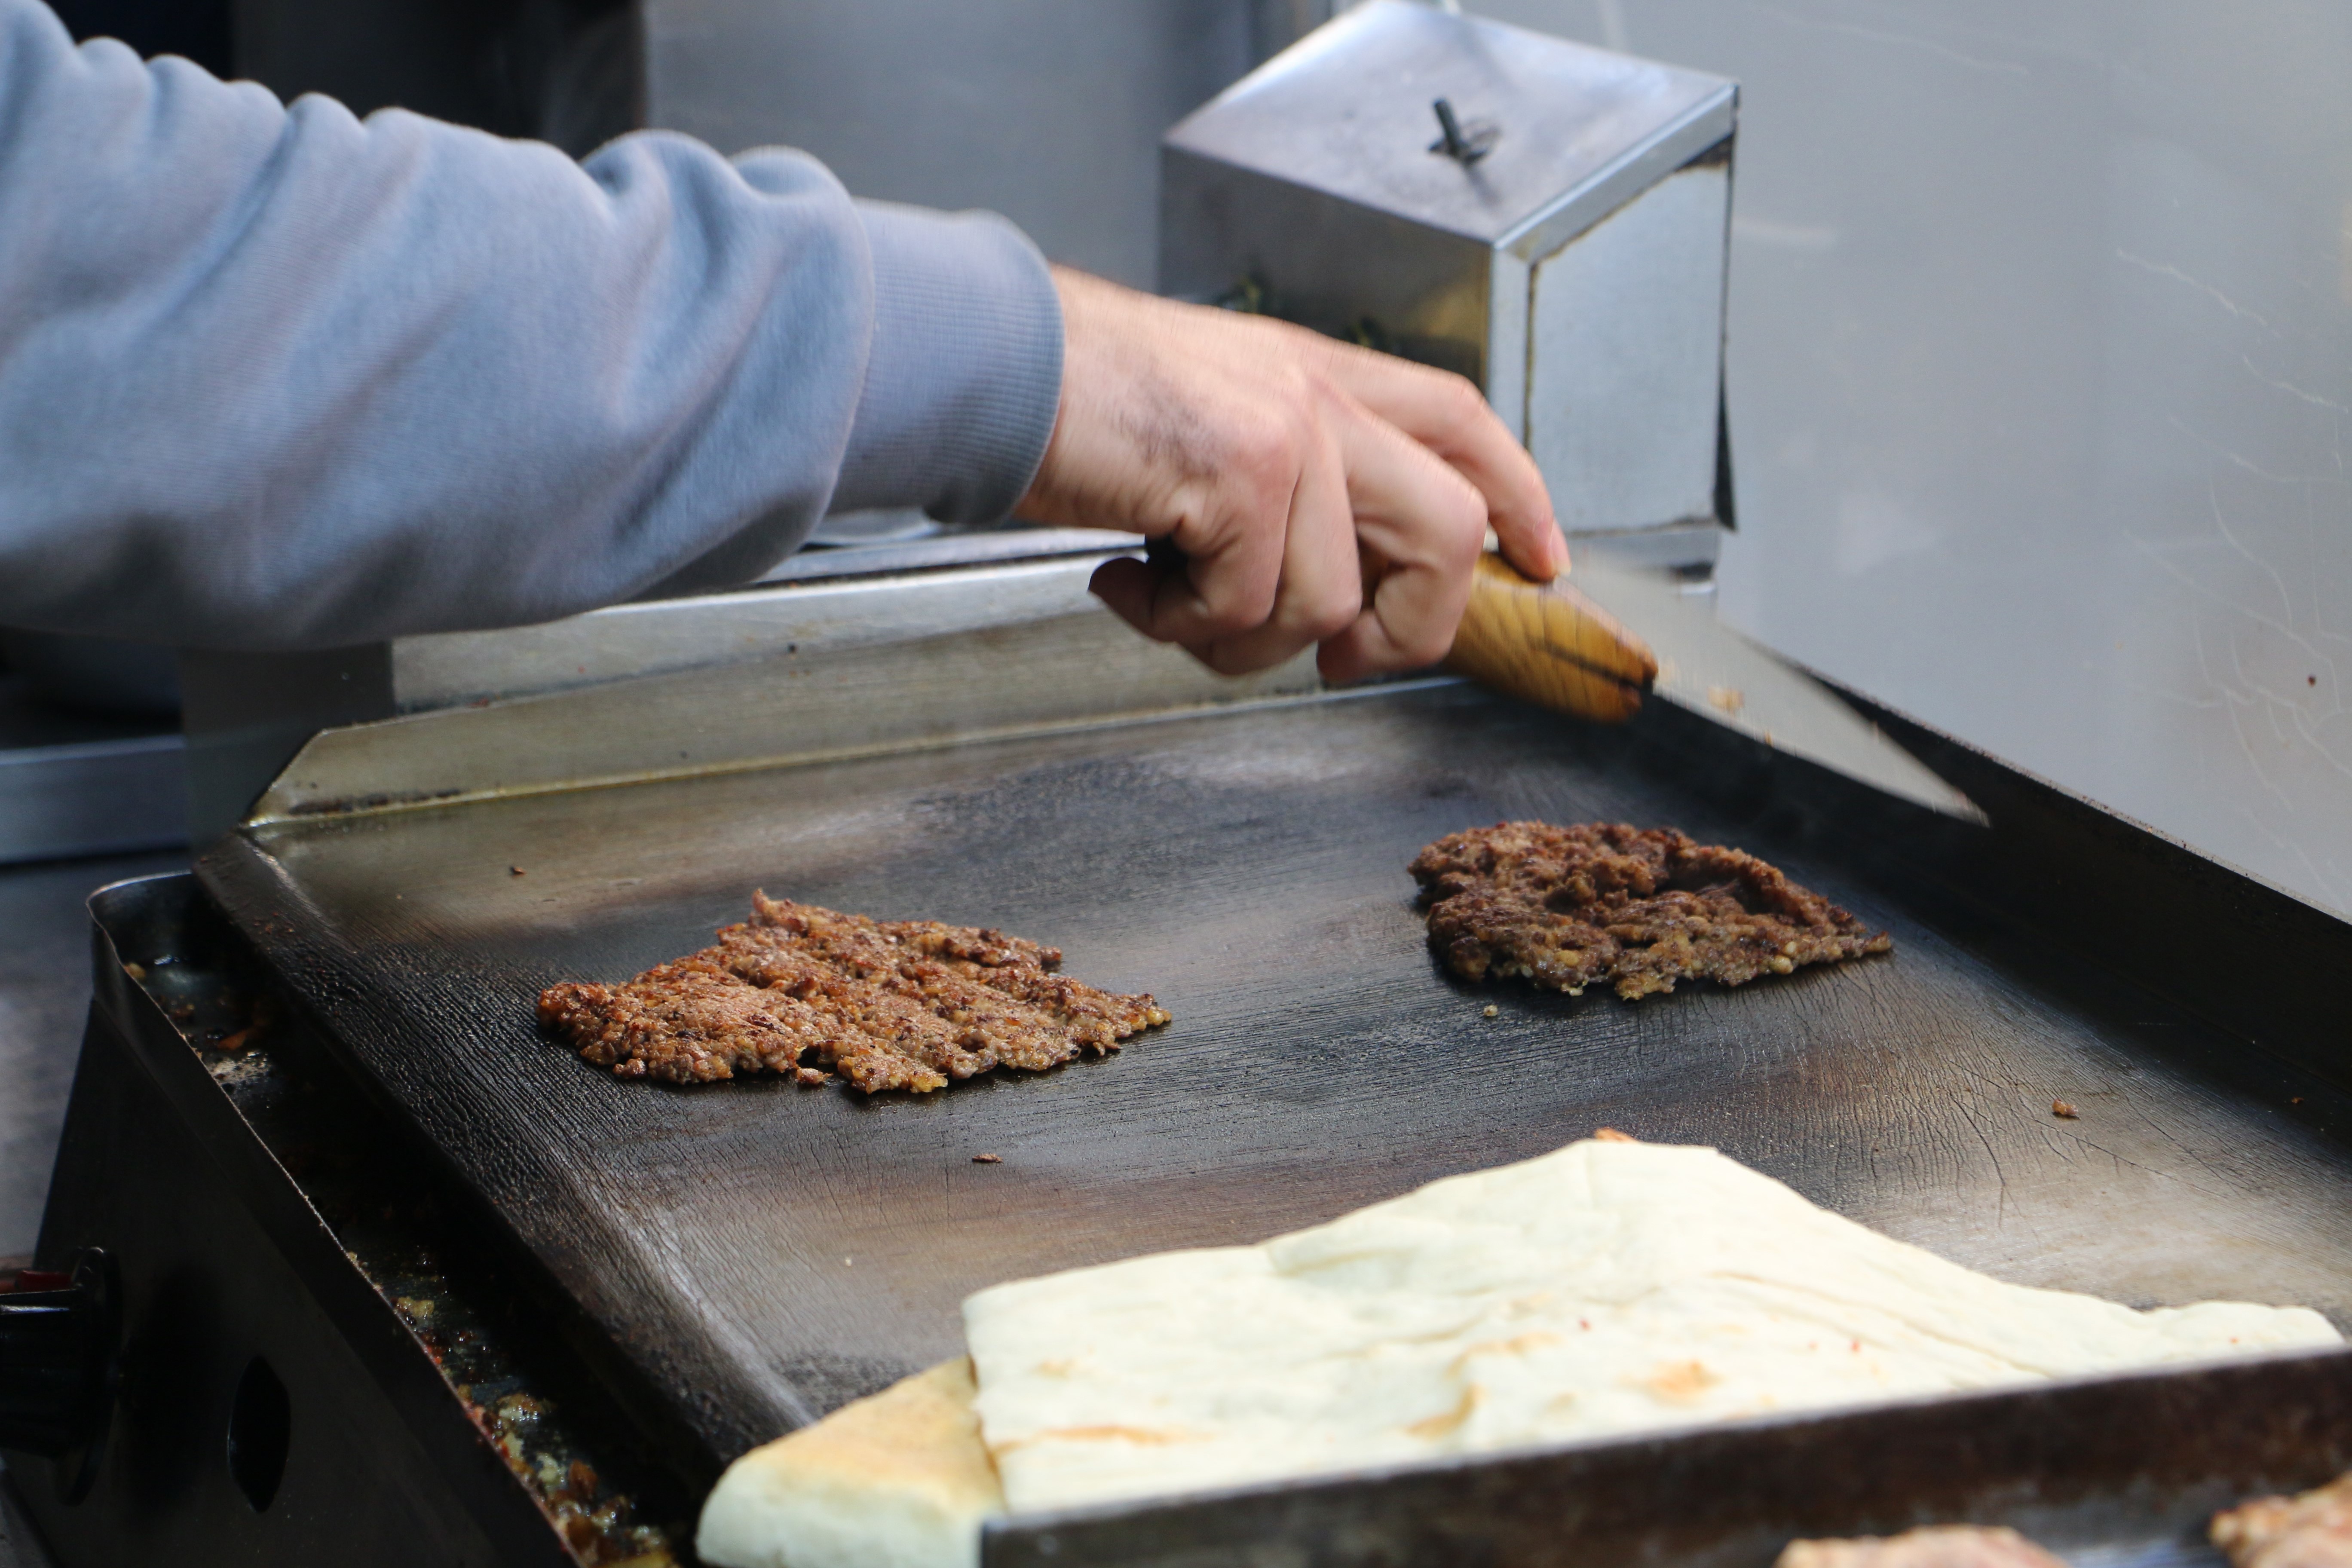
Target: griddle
(741,1258)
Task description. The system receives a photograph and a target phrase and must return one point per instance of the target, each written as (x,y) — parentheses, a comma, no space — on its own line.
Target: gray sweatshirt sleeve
(277,377)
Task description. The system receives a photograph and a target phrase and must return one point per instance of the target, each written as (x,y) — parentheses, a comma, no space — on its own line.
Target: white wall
(2041,368)
(1047,111)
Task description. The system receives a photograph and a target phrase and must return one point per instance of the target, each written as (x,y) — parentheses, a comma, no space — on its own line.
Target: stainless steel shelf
(75,784)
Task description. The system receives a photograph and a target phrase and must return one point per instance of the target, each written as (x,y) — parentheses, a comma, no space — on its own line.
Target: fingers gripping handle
(1549,644)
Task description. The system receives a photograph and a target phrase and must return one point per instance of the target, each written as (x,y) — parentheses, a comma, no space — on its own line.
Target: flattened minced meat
(2311,1529)
(1563,907)
(885,1003)
(1936,1546)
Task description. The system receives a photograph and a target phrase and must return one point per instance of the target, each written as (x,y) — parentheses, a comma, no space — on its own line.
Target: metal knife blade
(1710,670)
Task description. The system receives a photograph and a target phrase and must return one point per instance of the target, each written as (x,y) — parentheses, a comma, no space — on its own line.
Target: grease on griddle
(808,991)
(600,1522)
(1563,907)
(380,1220)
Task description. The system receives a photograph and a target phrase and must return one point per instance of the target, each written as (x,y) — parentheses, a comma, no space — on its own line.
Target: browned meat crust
(2310,1531)
(1937,1546)
(885,1003)
(1563,907)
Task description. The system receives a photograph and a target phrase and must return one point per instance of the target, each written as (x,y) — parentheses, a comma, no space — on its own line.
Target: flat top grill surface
(762,1253)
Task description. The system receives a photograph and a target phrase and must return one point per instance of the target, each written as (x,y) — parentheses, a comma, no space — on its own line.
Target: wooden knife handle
(1551,644)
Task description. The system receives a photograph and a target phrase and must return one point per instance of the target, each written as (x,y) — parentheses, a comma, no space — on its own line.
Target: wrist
(963,371)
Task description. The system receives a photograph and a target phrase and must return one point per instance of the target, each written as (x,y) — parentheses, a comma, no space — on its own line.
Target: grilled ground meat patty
(807,991)
(1563,907)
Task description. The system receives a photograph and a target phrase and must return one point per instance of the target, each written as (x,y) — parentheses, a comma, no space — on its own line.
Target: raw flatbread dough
(1610,1288)
(897,1480)
(1933,1546)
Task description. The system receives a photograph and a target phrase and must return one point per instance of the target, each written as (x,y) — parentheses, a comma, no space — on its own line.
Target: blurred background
(2039,331)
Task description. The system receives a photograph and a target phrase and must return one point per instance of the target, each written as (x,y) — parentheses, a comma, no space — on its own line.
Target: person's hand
(1319,492)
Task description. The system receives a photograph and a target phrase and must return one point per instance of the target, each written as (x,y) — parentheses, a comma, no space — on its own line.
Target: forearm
(273,378)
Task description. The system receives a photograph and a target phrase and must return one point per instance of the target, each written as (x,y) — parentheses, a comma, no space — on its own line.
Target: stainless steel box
(1566,252)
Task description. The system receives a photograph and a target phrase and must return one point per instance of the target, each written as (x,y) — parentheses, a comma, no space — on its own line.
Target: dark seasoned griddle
(1646,907)
(760,1253)
(806,991)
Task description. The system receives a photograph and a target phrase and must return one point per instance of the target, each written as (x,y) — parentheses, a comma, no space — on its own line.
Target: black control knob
(57,1359)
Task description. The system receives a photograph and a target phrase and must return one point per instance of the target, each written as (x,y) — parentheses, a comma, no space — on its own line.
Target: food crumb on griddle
(1491,1011)
(809,992)
(2064,1109)
(1563,907)
(2311,1529)
(988,1159)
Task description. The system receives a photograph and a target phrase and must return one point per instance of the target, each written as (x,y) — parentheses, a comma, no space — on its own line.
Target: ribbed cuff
(965,372)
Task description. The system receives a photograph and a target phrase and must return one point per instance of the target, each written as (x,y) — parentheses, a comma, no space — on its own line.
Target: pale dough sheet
(1610,1288)
(897,1480)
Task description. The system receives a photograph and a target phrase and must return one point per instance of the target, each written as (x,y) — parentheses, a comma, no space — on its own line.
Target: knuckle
(1463,518)
(1242,609)
(1464,548)
(1333,616)
(1315,383)
(1259,445)
(1426,644)
(1460,402)
(1268,453)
